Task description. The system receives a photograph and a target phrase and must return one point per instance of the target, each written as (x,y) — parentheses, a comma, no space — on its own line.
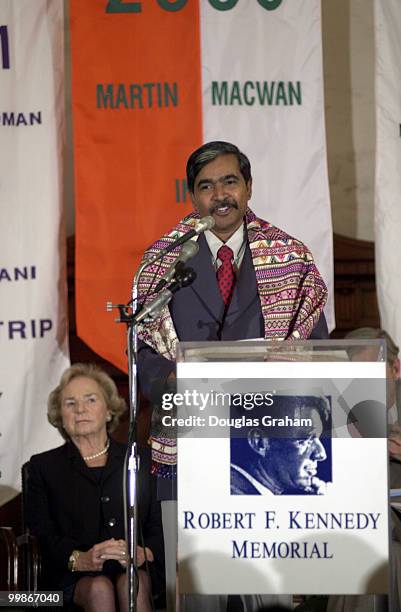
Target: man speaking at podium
(252,281)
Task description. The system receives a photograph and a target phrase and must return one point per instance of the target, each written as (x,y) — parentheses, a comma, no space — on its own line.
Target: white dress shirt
(236,242)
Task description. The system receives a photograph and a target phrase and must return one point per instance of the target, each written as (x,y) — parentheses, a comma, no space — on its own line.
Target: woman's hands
(140,555)
(92,560)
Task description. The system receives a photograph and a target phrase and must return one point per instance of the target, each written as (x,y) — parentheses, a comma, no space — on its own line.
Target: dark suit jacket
(69,508)
(198,315)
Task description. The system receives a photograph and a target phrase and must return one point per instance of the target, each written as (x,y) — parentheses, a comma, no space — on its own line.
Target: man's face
(293,462)
(220,190)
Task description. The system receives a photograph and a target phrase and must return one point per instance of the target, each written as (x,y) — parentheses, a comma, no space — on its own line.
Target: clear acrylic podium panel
(281,508)
(299,350)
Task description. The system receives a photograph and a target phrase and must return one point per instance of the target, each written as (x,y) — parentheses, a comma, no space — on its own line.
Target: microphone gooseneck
(185,277)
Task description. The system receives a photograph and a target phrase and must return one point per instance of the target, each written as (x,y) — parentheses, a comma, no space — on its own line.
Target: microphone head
(204,224)
(189,249)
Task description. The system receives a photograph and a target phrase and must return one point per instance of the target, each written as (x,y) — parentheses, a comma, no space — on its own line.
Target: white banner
(33,323)
(263,90)
(388,164)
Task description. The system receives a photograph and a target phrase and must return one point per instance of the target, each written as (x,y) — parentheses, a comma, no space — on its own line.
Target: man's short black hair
(208,153)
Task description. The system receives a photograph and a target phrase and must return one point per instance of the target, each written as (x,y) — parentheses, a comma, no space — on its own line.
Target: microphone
(189,249)
(152,309)
(203,224)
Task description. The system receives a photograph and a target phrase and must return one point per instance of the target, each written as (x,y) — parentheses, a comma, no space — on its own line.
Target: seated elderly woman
(75,500)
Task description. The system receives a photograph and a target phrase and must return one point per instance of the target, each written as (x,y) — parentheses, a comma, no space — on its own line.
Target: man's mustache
(229,203)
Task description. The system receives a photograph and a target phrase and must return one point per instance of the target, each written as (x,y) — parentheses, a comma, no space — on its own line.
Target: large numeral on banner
(5,49)
(270,5)
(116,6)
(168,5)
(225,5)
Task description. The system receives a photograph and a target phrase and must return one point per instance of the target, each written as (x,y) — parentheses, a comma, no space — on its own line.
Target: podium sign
(282,467)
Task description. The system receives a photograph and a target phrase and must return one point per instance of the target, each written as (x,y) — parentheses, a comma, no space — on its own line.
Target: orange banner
(137,114)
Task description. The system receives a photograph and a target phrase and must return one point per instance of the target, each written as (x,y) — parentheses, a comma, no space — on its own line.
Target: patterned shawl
(292,295)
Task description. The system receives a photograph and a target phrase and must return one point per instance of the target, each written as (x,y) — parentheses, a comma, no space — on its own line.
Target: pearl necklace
(99,454)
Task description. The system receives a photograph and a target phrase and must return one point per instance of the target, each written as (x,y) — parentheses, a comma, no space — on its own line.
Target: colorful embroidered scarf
(292,296)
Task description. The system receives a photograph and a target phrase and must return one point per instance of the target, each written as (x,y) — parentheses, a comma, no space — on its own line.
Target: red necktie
(225,274)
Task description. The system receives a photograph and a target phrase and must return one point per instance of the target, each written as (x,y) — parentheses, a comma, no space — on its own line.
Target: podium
(282,467)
